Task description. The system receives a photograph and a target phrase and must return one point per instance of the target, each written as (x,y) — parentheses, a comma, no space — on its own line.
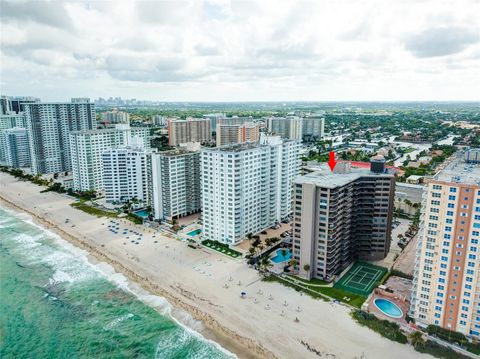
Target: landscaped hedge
(439,351)
(385,328)
(222,248)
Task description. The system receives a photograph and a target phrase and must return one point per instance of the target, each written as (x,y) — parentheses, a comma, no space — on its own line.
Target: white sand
(194,279)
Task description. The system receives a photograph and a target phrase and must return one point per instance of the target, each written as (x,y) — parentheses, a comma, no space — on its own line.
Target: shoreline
(214,331)
(203,287)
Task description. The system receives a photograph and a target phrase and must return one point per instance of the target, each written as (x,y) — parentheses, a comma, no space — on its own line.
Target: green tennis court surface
(361,278)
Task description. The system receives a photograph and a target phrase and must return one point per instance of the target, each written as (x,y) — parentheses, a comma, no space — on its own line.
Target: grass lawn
(222,248)
(82,206)
(323,292)
(92,210)
(315,281)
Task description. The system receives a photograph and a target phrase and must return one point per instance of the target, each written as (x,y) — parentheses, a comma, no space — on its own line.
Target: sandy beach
(193,280)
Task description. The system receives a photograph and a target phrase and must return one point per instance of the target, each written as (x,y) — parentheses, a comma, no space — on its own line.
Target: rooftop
(459,171)
(324,177)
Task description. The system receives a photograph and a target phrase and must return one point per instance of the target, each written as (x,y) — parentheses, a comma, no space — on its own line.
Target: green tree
(416,339)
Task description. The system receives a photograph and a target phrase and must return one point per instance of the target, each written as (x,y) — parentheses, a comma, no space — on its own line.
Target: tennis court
(361,278)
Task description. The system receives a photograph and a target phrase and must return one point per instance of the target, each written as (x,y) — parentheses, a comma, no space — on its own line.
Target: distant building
(446,283)
(5,105)
(17,149)
(246,188)
(189,130)
(49,126)
(87,148)
(159,120)
(115,116)
(176,183)
(414,179)
(313,128)
(18,103)
(214,117)
(289,127)
(340,217)
(9,121)
(127,174)
(228,134)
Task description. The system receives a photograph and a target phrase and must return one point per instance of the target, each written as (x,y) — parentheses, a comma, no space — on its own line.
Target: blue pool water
(195,232)
(388,308)
(280,258)
(142,213)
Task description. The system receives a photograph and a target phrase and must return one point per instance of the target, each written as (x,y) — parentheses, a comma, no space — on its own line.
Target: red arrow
(332,162)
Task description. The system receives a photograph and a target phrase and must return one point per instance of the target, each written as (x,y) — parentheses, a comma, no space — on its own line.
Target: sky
(209,50)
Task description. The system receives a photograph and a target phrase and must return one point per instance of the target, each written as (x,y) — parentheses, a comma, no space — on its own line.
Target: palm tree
(306,267)
(416,339)
(293,262)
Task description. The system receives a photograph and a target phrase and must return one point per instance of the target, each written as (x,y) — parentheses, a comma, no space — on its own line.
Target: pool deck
(400,296)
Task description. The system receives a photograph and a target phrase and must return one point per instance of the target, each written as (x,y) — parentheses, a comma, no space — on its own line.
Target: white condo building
(49,126)
(247,188)
(176,183)
(17,149)
(87,148)
(127,174)
(8,121)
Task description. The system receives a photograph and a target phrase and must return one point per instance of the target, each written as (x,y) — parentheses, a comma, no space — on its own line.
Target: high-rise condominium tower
(17,149)
(340,217)
(189,130)
(246,188)
(287,127)
(49,126)
(176,183)
(228,134)
(87,148)
(127,174)
(9,121)
(446,290)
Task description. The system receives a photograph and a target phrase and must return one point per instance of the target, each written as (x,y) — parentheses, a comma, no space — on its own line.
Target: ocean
(54,303)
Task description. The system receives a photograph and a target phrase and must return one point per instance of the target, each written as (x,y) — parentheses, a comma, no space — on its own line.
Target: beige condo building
(228,134)
(446,289)
(189,130)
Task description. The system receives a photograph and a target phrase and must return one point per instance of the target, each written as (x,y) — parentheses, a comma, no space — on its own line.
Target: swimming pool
(143,213)
(279,257)
(195,232)
(388,308)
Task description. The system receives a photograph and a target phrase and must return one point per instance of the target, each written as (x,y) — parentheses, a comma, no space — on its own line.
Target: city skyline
(212,51)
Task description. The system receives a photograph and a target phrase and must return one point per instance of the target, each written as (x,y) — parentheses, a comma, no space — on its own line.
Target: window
(451,205)
(452,198)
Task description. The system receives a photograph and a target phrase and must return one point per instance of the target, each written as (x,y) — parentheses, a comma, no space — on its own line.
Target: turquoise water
(142,213)
(195,232)
(55,304)
(280,258)
(389,308)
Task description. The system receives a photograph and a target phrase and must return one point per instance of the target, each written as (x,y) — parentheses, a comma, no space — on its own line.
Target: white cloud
(242,50)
